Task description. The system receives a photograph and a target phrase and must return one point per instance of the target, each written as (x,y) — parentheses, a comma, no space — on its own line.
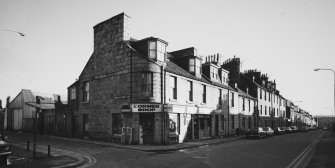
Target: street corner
(23,158)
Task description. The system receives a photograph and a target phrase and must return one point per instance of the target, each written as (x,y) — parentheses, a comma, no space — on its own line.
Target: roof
(243,94)
(175,69)
(43,106)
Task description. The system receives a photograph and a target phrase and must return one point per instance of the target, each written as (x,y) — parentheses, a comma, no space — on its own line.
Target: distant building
(21,111)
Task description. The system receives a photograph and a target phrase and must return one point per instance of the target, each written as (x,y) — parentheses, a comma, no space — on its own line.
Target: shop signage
(146,108)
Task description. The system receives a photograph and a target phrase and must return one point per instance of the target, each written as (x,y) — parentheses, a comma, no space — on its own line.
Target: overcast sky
(286,39)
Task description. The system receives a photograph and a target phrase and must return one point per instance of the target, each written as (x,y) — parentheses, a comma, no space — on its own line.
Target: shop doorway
(147,121)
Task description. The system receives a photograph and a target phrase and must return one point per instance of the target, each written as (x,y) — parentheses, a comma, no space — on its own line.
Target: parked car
(279,131)
(5,151)
(257,132)
(268,131)
(288,130)
(303,129)
(294,128)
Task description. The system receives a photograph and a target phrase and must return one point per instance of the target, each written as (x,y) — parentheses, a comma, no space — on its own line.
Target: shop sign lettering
(146,108)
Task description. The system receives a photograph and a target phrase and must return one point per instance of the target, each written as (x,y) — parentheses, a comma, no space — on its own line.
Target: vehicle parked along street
(279,131)
(268,131)
(257,132)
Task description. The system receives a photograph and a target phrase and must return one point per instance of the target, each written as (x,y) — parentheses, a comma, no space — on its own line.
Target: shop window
(116,123)
(243,122)
(147,84)
(86,97)
(202,123)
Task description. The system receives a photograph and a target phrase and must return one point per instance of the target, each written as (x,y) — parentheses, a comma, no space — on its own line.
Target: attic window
(191,65)
(157,50)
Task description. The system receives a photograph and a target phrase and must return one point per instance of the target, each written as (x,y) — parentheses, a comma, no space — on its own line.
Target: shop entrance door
(147,122)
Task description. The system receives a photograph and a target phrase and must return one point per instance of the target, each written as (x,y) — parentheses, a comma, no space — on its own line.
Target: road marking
(298,160)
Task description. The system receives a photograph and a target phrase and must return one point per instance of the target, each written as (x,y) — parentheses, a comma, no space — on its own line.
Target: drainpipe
(162,104)
(228,111)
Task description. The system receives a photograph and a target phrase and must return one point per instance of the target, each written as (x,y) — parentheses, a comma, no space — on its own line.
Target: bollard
(28,144)
(49,150)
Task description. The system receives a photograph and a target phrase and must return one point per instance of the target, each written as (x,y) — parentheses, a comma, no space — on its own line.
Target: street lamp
(328,69)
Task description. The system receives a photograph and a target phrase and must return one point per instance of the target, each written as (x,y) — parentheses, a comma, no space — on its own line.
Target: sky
(286,39)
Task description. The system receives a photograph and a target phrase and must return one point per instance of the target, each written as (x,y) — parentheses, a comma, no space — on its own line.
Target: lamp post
(328,69)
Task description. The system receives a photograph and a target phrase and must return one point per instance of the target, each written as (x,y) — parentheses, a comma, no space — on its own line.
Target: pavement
(324,154)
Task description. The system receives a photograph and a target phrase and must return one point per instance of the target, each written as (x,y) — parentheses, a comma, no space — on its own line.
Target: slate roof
(44,106)
(175,69)
(243,94)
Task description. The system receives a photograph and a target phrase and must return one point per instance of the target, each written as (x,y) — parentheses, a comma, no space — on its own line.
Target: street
(276,151)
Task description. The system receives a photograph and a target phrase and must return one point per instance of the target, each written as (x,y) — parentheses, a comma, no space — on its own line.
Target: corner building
(133,91)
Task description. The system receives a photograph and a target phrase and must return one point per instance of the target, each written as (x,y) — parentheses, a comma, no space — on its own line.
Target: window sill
(189,102)
(173,100)
(85,102)
(202,103)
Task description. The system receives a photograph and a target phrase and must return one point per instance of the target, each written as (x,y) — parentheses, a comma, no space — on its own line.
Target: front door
(147,122)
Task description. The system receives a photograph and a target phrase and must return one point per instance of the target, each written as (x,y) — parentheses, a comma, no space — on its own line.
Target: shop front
(149,117)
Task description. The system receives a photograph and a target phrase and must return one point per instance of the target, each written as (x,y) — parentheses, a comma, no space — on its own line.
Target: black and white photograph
(161,84)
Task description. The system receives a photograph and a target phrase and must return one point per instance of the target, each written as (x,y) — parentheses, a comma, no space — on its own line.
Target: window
(190,90)
(204,93)
(269,97)
(116,123)
(261,110)
(157,50)
(146,84)
(212,72)
(197,66)
(232,99)
(243,122)
(270,112)
(161,49)
(86,92)
(152,50)
(220,97)
(73,94)
(260,93)
(277,112)
(191,65)
(249,105)
(264,95)
(266,112)
(243,105)
(173,87)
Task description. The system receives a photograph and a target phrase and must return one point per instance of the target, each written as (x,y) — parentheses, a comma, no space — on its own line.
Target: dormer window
(157,50)
(194,65)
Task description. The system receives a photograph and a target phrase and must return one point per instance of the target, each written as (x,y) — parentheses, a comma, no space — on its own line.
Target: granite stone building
(134,91)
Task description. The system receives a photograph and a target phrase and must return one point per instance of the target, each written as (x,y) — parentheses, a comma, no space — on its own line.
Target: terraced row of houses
(135,91)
